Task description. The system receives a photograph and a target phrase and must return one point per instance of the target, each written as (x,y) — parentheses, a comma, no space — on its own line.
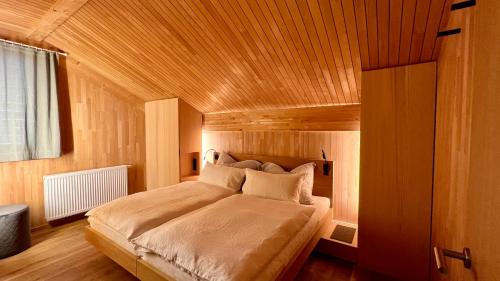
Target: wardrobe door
(162,143)
(397,143)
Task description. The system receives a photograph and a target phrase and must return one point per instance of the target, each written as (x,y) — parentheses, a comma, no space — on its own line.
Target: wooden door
(466,205)
(162,143)
(397,145)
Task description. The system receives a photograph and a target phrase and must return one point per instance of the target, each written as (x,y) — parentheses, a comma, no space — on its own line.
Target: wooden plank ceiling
(237,55)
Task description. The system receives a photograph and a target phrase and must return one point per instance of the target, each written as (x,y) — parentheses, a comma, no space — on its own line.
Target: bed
(285,264)
(128,217)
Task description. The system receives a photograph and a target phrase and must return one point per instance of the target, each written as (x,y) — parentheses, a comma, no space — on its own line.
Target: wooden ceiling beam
(327,118)
(60,11)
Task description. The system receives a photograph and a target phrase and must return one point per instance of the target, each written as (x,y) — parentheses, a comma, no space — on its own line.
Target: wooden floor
(62,253)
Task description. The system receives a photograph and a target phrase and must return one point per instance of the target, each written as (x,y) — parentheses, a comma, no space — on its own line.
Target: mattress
(273,269)
(124,218)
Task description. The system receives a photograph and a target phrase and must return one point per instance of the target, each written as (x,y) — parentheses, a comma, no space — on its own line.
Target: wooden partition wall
(270,133)
(397,151)
(466,182)
(173,141)
(101,125)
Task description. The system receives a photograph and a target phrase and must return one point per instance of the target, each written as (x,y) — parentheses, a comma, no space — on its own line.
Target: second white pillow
(285,187)
(224,176)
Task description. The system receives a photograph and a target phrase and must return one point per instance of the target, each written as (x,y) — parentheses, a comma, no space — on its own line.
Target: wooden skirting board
(142,270)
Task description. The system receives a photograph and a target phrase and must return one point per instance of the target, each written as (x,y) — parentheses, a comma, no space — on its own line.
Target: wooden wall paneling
(162,143)
(345,149)
(483,192)
(99,128)
(330,118)
(397,170)
(190,127)
(453,141)
(467,153)
(340,147)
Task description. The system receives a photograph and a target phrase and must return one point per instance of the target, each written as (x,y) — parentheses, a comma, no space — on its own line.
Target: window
(29,116)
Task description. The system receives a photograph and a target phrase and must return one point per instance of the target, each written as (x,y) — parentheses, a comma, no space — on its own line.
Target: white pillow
(307,186)
(246,164)
(285,187)
(269,167)
(224,159)
(224,176)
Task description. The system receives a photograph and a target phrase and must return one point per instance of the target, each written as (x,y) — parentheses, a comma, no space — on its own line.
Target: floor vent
(343,233)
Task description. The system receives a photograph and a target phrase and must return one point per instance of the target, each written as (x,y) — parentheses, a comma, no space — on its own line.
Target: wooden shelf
(190,178)
(338,248)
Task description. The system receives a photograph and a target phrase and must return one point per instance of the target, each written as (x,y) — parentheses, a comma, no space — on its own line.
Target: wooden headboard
(323,184)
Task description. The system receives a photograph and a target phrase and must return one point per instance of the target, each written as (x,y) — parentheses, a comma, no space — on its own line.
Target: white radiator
(77,192)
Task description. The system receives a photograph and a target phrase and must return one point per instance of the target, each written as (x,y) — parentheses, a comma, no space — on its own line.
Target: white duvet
(232,239)
(132,215)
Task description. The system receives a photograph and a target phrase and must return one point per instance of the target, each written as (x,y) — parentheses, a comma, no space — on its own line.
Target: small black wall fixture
(326,165)
(216,154)
(449,32)
(463,4)
(195,164)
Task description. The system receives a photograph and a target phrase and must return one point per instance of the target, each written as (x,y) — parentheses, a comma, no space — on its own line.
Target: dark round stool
(14,229)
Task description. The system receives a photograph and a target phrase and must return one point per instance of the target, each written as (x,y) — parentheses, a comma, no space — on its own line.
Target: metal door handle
(464,256)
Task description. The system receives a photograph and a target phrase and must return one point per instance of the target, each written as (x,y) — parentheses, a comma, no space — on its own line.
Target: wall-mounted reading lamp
(326,165)
(216,154)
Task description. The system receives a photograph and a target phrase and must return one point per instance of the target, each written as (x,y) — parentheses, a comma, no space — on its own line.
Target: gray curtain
(29,114)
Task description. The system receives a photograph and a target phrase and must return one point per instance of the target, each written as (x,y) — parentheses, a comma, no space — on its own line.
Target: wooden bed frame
(323,186)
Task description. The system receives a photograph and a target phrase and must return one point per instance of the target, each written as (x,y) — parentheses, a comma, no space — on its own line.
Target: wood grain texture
(483,192)
(340,147)
(121,256)
(397,151)
(62,253)
(190,123)
(56,15)
(453,141)
(162,143)
(331,118)
(21,16)
(222,56)
(468,193)
(99,128)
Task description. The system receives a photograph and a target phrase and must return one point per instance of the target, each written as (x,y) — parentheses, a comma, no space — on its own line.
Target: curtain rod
(32,47)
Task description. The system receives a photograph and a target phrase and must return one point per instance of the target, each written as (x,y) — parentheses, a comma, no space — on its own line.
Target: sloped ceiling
(235,55)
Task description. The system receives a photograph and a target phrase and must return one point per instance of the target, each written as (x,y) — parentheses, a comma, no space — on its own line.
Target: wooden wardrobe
(173,142)
(396,170)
